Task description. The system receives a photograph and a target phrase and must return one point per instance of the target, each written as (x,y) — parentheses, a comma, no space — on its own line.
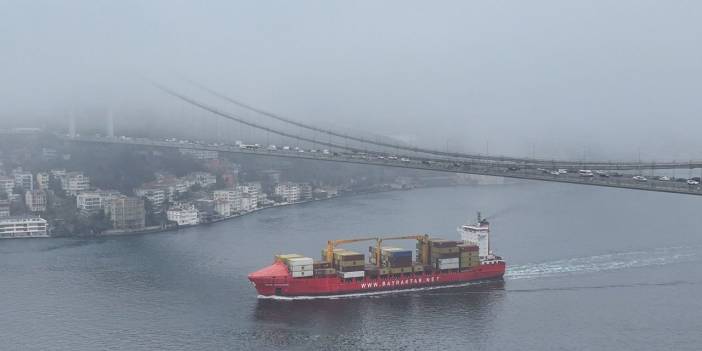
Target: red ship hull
(276,281)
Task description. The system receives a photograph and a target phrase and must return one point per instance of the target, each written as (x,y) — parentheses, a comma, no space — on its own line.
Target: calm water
(589,269)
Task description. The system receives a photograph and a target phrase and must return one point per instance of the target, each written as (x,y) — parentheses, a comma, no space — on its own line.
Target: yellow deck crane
(331,244)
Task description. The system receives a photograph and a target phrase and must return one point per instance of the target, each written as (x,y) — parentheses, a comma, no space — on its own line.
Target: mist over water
(585,266)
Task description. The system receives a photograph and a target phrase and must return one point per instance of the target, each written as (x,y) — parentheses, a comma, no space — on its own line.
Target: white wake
(606,262)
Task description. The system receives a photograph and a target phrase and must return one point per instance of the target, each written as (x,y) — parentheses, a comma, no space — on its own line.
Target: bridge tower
(72,124)
(110,132)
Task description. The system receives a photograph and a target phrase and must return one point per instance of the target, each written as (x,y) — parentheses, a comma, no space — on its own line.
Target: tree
(56,187)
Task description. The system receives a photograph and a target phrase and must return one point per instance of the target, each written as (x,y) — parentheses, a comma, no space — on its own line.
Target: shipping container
(323,272)
(322,264)
(286,257)
(301,268)
(468,248)
(444,250)
(356,274)
(441,243)
(351,268)
(302,274)
(300,261)
(348,256)
(443,266)
(447,260)
(350,263)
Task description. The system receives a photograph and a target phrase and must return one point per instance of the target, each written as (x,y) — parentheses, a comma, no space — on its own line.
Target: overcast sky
(595,79)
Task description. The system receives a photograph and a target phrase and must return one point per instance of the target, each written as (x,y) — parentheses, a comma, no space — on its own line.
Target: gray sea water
(588,269)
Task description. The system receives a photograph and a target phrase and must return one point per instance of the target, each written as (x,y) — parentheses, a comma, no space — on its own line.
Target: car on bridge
(639,178)
(586,173)
(692,182)
(663,178)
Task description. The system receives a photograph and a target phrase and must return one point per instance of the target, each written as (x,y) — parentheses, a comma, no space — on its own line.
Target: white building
(252,189)
(24,180)
(23,227)
(229,195)
(204,179)
(35,200)
(58,173)
(74,183)
(223,208)
(4,208)
(156,196)
(7,185)
(183,214)
(305,191)
(290,192)
(244,203)
(43,181)
(94,201)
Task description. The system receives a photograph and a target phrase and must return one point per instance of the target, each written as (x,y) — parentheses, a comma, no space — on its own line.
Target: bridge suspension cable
(523,161)
(457,155)
(350,137)
(236,118)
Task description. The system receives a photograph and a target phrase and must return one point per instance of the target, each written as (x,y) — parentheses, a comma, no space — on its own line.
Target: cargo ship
(439,262)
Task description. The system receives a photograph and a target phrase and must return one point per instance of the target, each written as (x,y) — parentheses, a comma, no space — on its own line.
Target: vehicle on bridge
(639,178)
(586,173)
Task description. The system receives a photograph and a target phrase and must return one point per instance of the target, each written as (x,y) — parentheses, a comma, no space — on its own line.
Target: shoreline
(173,228)
(225,219)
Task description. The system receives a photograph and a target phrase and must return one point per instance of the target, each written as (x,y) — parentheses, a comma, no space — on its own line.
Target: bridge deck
(498,169)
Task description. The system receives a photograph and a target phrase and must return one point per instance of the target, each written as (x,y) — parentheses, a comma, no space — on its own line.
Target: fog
(595,79)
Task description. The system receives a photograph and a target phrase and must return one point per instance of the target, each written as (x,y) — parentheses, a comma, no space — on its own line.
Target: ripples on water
(631,283)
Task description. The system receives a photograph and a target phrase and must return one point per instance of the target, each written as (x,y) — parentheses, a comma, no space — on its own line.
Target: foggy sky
(593,79)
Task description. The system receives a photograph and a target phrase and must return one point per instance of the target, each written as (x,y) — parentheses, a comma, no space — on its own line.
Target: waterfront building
(288,191)
(89,202)
(24,180)
(244,203)
(126,212)
(4,208)
(204,179)
(75,182)
(183,214)
(155,195)
(223,208)
(229,195)
(58,173)
(7,185)
(35,200)
(305,191)
(253,189)
(23,227)
(42,180)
